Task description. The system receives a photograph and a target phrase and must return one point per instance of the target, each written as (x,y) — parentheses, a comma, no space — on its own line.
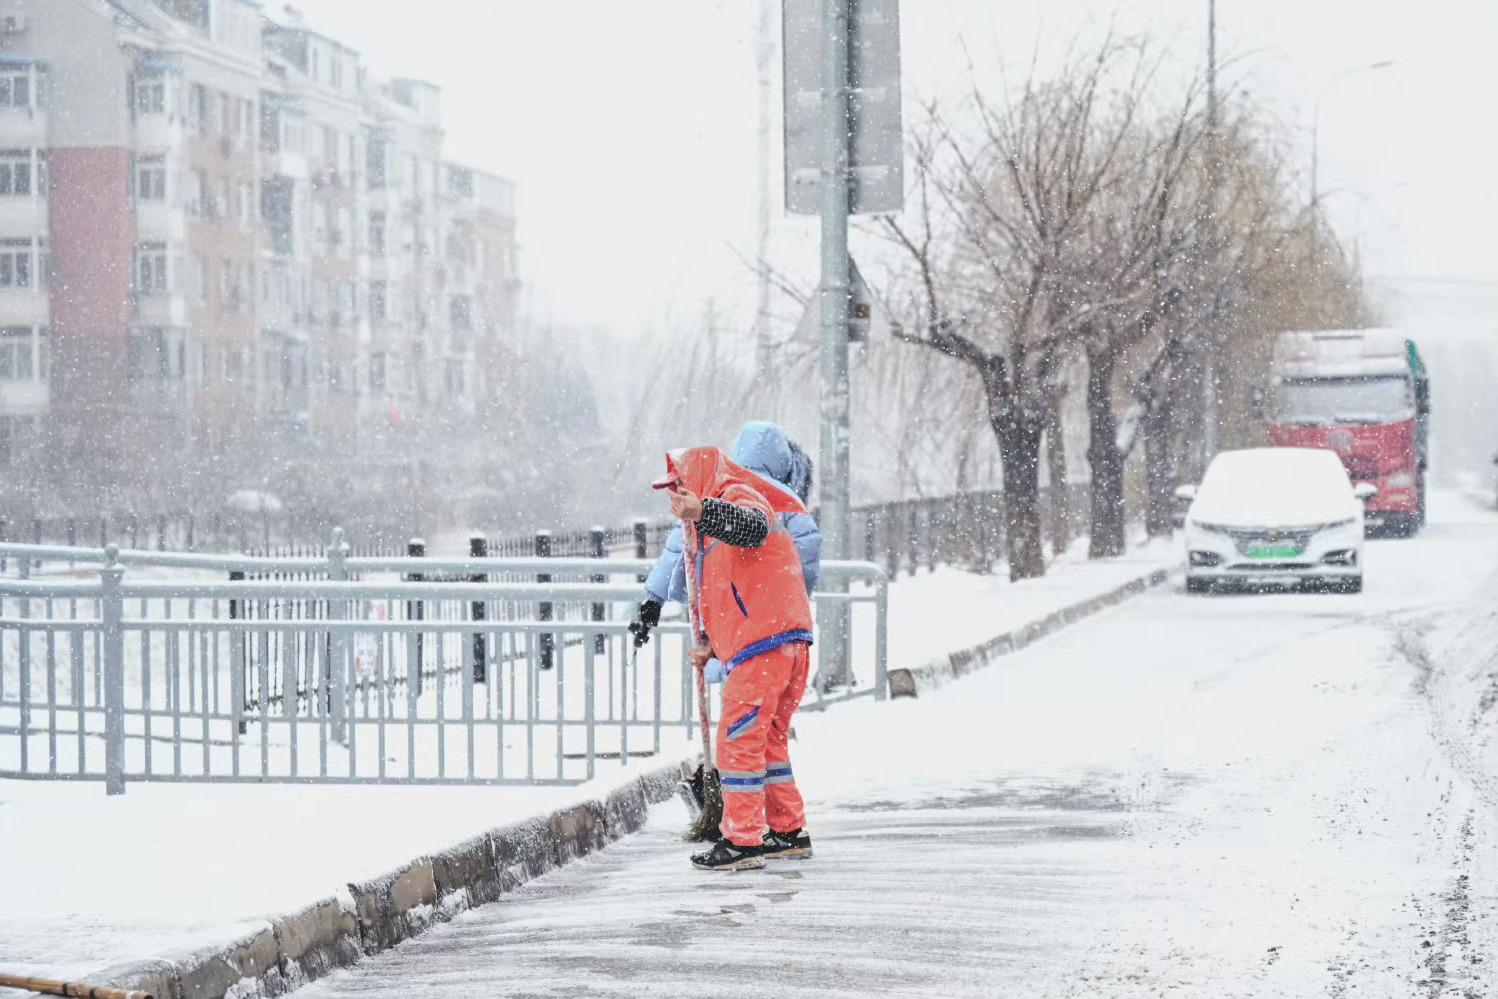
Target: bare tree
(996,216)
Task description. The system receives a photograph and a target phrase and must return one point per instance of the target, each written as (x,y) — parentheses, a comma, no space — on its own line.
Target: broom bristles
(706,826)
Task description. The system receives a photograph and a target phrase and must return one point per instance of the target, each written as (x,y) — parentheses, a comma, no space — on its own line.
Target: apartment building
(211,214)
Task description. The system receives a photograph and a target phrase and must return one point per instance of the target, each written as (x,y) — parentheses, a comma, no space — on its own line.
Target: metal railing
(351,670)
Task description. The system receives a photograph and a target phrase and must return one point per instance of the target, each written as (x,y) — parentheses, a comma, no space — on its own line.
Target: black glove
(650,616)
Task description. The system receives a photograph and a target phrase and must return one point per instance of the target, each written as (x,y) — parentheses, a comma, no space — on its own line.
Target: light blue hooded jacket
(761,447)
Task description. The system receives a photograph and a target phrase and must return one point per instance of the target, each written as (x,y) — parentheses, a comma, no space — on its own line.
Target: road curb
(933,674)
(374,915)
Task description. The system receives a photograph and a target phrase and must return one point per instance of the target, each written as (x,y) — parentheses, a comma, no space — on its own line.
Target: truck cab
(1364,394)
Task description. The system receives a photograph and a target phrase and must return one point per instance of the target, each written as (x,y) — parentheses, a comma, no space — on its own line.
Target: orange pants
(754,761)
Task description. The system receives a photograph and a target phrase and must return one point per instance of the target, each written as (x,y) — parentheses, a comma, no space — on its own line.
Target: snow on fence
(348,669)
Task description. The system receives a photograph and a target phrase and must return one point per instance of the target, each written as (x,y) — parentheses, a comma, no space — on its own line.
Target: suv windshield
(1382,399)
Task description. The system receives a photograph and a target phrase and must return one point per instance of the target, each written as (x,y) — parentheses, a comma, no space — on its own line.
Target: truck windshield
(1382,399)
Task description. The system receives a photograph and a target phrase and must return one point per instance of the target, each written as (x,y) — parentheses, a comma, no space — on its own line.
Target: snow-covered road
(1277,795)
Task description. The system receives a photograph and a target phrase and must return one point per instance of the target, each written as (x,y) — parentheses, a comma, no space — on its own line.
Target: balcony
(23,128)
(24,307)
(24,398)
(159,130)
(161,221)
(23,216)
(161,310)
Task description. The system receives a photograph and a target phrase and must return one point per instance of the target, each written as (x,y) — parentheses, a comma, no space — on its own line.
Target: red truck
(1364,394)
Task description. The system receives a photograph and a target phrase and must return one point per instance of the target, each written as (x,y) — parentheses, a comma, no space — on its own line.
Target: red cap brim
(666,482)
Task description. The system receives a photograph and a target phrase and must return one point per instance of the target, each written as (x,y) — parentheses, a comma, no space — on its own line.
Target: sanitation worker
(754,617)
(763,448)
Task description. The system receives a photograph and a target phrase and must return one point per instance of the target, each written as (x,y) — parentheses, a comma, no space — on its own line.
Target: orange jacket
(749,600)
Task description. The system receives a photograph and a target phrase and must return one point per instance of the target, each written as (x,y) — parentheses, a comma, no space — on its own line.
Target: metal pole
(833,616)
(112,613)
(1211,400)
(765,56)
(338,610)
(478,547)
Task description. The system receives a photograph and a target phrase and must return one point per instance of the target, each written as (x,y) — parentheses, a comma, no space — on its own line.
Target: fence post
(338,644)
(112,615)
(881,638)
(478,547)
(544,609)
(598,609)
(416,610)
(913,519)
(933,532)
(236,656)
(642,547)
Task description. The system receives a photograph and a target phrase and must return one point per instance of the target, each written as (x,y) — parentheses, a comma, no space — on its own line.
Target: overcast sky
(630,127)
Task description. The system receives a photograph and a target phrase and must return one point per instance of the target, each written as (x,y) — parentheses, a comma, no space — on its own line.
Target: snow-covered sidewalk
(87,881)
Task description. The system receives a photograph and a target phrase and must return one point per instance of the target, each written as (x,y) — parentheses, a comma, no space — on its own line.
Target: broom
(51,988)
(706,780)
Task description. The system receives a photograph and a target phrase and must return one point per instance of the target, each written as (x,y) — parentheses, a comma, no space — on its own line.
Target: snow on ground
(88,881)
(1197,796)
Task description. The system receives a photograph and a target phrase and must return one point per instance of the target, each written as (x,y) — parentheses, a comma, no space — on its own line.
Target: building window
(376,234)
(246,204)
(150,269)
(460,313)
(456,378)
(377,301)
(199,111)
(15,172)
(22,354)
(150,96)
(200,269)
(150,178)
(17,263)
(374,163)
(15,88)
(377,373)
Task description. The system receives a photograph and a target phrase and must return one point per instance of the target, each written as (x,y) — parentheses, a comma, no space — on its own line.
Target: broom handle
(50,988)
(689,552)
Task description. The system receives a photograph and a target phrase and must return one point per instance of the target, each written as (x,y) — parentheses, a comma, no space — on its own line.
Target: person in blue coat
(764,448)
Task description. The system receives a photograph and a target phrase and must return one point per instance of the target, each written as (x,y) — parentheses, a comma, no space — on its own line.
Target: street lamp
(1316,118)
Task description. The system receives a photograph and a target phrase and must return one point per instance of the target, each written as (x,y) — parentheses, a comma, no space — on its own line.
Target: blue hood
(763,447)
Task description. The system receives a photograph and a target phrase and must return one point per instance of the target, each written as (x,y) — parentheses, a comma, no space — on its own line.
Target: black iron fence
(966,529)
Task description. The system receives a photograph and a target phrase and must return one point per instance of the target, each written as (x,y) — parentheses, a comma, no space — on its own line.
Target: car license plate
(1280,550)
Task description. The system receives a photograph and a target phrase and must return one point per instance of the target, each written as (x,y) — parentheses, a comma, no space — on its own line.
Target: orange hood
(707,472)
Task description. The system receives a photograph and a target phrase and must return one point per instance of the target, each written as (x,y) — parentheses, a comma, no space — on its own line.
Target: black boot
(726,856)
(793,845)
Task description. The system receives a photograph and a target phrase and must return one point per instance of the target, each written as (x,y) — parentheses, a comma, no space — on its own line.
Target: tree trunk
(1055,458)
(1104,458)
(1020,446)
(1159,471)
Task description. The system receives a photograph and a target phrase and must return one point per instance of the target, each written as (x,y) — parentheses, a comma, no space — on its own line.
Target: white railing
(350,670)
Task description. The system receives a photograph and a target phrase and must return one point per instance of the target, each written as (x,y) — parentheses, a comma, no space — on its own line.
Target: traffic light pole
(832,616)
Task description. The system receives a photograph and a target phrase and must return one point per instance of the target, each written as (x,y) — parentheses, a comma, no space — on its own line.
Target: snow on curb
(375,915)
(944,669)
